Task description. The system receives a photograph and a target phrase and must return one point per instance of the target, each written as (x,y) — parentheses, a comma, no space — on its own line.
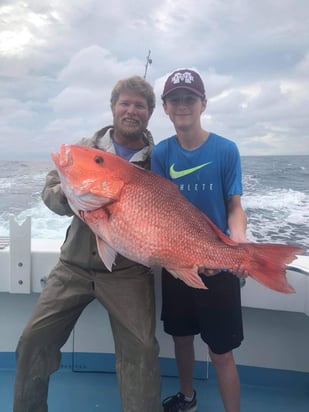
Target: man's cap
(184,79)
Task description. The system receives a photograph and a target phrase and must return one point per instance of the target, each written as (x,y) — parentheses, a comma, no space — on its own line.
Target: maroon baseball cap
(184,79)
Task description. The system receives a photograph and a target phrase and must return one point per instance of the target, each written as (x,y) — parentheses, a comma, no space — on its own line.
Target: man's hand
(239,271)
(208,272)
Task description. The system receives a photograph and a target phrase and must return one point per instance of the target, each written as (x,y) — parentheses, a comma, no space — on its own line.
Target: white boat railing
(26,262)
(4,242)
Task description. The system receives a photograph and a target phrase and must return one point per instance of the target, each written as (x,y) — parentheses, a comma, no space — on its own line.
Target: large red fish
(144,217)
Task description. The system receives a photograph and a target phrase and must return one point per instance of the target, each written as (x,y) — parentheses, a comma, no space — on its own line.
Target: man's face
(131,115)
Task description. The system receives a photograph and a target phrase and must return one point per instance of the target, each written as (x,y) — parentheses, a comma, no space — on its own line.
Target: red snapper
(144,217)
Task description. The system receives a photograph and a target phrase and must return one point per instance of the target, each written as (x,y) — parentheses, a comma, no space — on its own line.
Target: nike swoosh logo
(175,174)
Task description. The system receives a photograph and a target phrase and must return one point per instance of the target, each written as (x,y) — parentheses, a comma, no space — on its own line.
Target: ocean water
(276,199)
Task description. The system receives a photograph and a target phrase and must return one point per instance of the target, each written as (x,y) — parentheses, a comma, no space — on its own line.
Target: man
(206,168)
(80,277)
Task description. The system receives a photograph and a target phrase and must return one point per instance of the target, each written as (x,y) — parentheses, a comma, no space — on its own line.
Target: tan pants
(128,295)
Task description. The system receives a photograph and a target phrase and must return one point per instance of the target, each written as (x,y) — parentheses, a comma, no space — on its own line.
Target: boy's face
(184,108)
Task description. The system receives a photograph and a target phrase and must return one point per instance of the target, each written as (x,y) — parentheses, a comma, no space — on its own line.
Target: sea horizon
(275,197)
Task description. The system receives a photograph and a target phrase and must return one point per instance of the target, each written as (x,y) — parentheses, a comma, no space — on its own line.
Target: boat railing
(25,263)
(4,242)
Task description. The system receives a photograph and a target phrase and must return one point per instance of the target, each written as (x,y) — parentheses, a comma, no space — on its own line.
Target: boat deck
(275,346)
(94,392)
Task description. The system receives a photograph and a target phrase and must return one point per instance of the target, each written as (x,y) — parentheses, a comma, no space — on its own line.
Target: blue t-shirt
(124,151)
(207,176)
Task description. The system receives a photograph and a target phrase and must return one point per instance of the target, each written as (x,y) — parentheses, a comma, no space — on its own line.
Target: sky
(59,61)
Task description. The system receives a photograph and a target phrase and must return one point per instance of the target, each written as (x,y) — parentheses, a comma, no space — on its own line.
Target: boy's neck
(192,140)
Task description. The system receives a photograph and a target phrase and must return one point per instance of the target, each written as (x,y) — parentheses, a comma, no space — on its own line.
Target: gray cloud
(59,61)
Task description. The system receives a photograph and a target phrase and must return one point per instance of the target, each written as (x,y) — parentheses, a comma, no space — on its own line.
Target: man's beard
(132,133)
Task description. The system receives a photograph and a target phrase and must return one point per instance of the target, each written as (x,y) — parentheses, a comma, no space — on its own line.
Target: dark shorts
(214,313)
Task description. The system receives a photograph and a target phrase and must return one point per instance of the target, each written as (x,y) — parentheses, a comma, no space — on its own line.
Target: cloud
(60,60)
(94,79)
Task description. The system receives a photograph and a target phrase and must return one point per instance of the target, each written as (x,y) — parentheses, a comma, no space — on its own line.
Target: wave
(276,199)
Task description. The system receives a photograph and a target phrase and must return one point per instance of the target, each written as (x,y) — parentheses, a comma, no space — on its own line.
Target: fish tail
(266,263)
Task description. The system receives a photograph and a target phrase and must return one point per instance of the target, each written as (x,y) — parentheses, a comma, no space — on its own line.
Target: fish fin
(106,252)
(189,276)
(301,265)
(222,236)
(266,263)
(110,189)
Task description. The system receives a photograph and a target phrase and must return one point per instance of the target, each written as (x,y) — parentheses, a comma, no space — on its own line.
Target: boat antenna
(148,62)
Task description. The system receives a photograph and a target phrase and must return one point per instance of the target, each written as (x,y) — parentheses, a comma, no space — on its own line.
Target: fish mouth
(64,158)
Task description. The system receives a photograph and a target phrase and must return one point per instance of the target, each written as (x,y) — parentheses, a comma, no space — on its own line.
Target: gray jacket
(79,247)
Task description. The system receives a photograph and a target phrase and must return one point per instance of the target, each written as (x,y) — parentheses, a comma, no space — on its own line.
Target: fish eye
(99,160)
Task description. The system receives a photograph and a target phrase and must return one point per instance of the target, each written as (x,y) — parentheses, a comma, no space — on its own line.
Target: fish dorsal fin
(222,236)
(106,252)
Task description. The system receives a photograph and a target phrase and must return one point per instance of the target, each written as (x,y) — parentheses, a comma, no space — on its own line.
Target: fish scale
(144,217)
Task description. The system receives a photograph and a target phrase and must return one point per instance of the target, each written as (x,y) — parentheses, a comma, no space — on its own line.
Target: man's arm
(237,223)
(53,195)
(237,220)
